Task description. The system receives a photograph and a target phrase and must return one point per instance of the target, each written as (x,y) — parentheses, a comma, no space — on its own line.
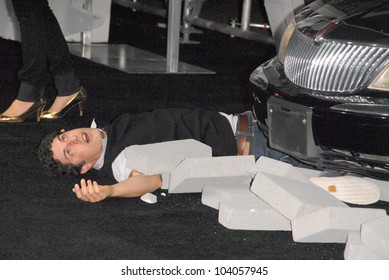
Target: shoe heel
(36,107)
(39,113)
(81,108)
(76,100)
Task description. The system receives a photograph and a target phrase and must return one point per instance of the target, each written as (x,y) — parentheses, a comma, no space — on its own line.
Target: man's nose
(74,139)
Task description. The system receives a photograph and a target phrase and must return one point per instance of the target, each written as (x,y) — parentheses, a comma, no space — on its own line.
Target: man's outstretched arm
(134,186)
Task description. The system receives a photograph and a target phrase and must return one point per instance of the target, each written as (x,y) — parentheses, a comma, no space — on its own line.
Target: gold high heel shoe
(76,100)
(37,107)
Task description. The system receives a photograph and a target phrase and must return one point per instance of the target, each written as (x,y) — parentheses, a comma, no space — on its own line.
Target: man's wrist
(110,190)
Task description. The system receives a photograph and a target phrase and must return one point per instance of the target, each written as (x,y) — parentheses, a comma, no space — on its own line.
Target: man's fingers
(83,187)
(90,187)
(88,190)
(83,191)
(77,190)
(75,187)
(96,187)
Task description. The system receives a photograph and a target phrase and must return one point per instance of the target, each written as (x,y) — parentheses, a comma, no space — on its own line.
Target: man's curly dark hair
(54,167)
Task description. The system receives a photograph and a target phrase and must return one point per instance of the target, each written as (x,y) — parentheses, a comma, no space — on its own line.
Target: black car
(325,98)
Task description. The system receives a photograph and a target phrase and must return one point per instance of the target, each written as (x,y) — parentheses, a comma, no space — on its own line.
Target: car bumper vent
(332,66)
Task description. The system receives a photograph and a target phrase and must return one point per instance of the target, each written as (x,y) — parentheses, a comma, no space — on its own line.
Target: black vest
(162,125)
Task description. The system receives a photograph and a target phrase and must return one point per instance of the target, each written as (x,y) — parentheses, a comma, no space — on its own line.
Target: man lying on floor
(76,151)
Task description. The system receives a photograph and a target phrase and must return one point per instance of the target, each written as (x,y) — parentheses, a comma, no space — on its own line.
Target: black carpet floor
(40,217)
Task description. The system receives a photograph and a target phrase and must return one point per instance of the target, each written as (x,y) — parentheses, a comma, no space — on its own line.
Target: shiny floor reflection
(130,59)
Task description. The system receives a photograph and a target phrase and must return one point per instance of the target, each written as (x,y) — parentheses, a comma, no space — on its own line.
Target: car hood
(342,20)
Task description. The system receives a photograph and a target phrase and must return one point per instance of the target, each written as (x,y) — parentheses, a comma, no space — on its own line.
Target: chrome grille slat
(366,64)
(377,59)
(347,62)
(332,66)
(316,63)
(335,79)
(322,68)
(307,64)
(352,67)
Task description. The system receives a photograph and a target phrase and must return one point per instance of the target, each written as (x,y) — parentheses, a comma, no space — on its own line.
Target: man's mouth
(85,137)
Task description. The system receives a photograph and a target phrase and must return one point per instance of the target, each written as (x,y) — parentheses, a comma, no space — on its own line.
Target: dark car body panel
(349,129)
(372,16)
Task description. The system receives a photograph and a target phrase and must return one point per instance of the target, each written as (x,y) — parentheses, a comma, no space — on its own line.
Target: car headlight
(285,40)
(381,82)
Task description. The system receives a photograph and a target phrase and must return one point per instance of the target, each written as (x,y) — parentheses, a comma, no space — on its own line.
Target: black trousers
(44,51)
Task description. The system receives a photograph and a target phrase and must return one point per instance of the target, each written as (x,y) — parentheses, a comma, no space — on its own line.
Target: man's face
(81,145)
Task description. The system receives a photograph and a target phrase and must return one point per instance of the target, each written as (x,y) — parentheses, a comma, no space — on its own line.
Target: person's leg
(43,44)
(33,71)
(259,145)
(258,142)
(66,80)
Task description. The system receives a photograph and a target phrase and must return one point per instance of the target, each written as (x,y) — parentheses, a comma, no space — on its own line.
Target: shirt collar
(100,162)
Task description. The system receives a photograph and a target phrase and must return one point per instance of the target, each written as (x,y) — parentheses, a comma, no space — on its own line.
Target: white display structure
(71,15)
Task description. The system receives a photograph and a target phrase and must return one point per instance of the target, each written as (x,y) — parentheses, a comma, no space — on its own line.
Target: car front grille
(332,66)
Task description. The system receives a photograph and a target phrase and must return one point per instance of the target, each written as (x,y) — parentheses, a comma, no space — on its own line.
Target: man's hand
(91,191)
(134,186)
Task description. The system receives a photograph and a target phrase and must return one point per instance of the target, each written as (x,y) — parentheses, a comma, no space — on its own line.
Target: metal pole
(246,14)
(142,7)
(86,36)
(227,29)
(195,20)
(173,35)
(185,25)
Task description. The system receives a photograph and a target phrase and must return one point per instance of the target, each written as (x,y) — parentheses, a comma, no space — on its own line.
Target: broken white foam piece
(292,198)
(149,198)
(163,157)
(196,185)
(350,189)
(283,169)
(356,250)
(192,174)
(375,235)
(251,215)
(332,224)
(213,194)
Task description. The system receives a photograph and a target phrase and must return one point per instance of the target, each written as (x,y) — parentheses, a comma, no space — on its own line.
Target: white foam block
(290,197)
(213,194)
(283,169)
(163,157)
(375,235)
(251,215)
(356,250)
(332,224)
(192,174)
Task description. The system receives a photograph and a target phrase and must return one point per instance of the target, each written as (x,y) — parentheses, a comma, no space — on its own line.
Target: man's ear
(87,166)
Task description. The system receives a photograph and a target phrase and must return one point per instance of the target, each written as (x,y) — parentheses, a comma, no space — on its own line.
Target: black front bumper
(322,130)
